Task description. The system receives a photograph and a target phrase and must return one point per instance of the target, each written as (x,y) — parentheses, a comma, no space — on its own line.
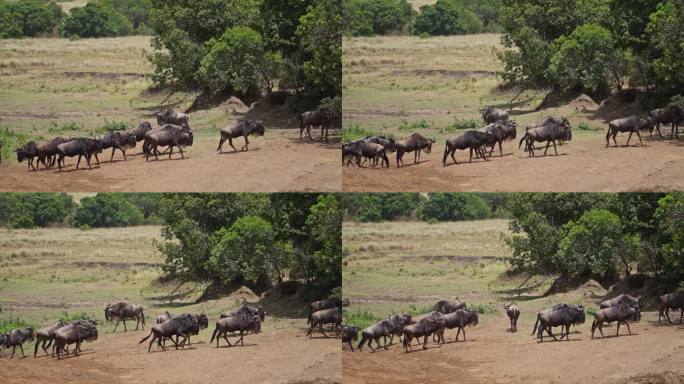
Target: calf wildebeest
(563,316)
(168,136)
(319,118)
(513,313)
(503,130)
(331,316)
(118,140)
(239,323)
(671,301)
(427,326)
(448,306)
(622,299)
(398,322)
(122,311)
(140,132)
(492,115)
(349,334)
(672,114)
(169,116)
(414,143)
(17,337)
(321,305)
(622,314)
(81,147)
(46,335)
(459,319)
(179,326)
(76,332)
(243,128)
(472,140)
(383,328)
(631,124)
(367,149)
(549,132)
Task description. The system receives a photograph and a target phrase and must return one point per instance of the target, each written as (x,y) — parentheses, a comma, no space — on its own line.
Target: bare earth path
(653,354)
(275,356)
(276,163)
(582,166)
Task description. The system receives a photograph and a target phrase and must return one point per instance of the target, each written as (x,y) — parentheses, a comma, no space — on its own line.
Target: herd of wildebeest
(499,128)
(173,130)
(450,314)
(238,322)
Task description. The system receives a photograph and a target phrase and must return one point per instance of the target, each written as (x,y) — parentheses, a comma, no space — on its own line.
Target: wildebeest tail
(363,339)
(213,335)
(536,323)
(521,140)
(446,153)
(593,326)
(145,338)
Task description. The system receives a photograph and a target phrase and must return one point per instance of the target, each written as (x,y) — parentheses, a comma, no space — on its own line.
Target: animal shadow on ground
(231,152)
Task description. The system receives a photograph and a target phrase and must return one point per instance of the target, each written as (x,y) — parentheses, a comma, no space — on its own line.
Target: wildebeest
(243,128)
(349,334)
(513,313)
(81,147)
(549,132)
(46,152)
(118,140)
(367,149)
(414,143)
(327,316)
(46,335)
(163,317)
(179,326)
(459,319)
(167,136)
(631,124)
(503,130)
(492,115)
(201,320)
(251,309)
(140,132)
(169,116)
(239,323)
(622,299)
(472,140)
(76,332)
(383,328)
(321,305)
(671,301)
(28,152)
(398,322)
(17,337)
(672,114)
(434,323)
(622,314)
(448,306)
(319,118)
(122,311)
(563,316)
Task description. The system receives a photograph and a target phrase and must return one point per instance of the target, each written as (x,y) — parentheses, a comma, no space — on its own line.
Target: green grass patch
(460,125)
(113,126)
(73,316)
(404,125)
(354,132)
(483,308)
(66,127)
(360,319)
(586,127)
(12,140)
(11,323)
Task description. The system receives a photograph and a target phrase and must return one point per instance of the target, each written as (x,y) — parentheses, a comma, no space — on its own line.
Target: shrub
(28,18)
(446,17)
(96,20)
(29,210)
(371,17)
(106,210)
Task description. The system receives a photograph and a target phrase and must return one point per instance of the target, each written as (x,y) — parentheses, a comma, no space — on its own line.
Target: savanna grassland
(48,274)
(405,267)
(398,85)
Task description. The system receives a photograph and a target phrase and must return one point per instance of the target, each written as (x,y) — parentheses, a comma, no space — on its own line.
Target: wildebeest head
(162,115)
(258,127)
(428,148)
(27,151)
(202,320)
(107,311)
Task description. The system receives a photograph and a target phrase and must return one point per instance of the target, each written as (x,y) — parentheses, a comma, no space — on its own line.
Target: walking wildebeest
(622,314)
(319,118)
(414,143)
(671,301)
(17,337)
(76,332)
(472,140)
(45,151)
(179,326)
(327,316)
(46,335)
(458,319)
(434,323)
(549,132)
(503,130)
(383,328)
(349,334)
(492,115)
(163,317)
(243,128)
(631,124)
(398,322)
(201,320)
(28,152)
(118,140)
(321,305)
(122,311)
(168,136)
(169,116)
(672,114)
(448,306)
(563,316)
(367,149)
(251,309)
(513,313)
(621,299)
(140,132)
(81,147)
(239,323)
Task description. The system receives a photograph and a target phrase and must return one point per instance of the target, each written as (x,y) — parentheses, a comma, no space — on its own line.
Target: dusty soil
(276,163)
(275,356)
(491,354)
(583,166)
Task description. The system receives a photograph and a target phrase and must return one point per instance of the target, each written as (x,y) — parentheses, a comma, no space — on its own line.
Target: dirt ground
(276,163)
(275,356)
(581,166)
(491,354)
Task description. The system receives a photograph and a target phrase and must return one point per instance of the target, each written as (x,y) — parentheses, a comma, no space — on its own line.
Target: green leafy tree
(670,216)
(446,17)
(28,18)
(666,32)
(136,11)
(325,225)
(106,210)
(371,17)
(29,210)
(455,206)
(96,20)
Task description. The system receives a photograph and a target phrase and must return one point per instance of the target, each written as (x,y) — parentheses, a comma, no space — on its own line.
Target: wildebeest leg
(615,135)
(308,132)
(320,327)
(88,161)
(628,329)
(425,340)
(78,162)
(111,159)
(220,147)
(471,155)
(230,142)
(246,146)
(641,143)
(453,153)
(458,332)
(554,147)
(124,323)
(618,329)
(149,348)
(116,325)
(629,138)
(547,147)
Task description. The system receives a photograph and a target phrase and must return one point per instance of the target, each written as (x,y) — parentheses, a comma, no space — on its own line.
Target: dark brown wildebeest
(622,314)
(168,136)
(368,150)
(622,299)
(321,305)
(673,114)
(28,152)
(122,311)
(671,301)
(201,320)
(414,143)
(249,308)
(118,140)
(17,337)
(434,323)
(140,132)
(513,313)
(163,317)
(472,140)
(383,328)
(349,334)
(448,306)
(169,116)
(399,322)
(492,115)
(243,128)
(331,316)
(458,319)
(550,132)
(46,152)
(76,332)
(46,335)
(81,147)
(502,130)
(631,124)
(563,316)
(179,326)
(242,323)
(319,118)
